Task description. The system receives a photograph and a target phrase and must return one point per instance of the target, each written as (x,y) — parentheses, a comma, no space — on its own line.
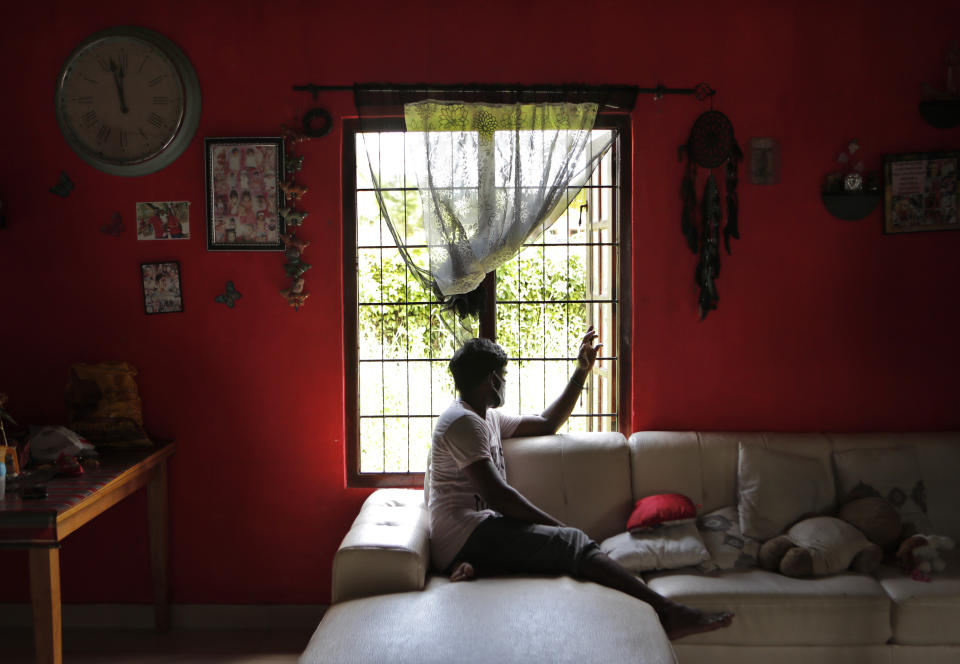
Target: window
(398,342)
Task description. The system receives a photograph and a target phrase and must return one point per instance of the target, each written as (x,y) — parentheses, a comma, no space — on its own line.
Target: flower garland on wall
(293,218)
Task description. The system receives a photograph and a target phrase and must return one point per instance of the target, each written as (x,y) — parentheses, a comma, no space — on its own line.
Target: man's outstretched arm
(547,422)
(502,497)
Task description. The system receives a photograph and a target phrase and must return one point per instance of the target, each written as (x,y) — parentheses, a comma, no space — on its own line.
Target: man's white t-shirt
(460,438)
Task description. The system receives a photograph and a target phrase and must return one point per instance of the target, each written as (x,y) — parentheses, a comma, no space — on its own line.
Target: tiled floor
(133,646)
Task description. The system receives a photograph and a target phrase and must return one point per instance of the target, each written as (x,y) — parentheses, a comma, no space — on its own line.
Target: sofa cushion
(728,547)
(776,489)
(939,457)
(661,508)
(667,547)
(772,609)
(510,619)
(581,479)
(889,472)
(703,464)
(387,548)
(924,613)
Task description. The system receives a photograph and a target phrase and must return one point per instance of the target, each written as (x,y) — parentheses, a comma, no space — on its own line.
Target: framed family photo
(163,220)
(243,194)
(162,290)
(921,192)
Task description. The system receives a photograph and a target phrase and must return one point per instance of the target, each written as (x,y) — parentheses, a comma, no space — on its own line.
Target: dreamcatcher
(711,145)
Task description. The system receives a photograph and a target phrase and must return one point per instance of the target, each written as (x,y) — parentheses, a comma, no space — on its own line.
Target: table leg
(159,538)
(45,596)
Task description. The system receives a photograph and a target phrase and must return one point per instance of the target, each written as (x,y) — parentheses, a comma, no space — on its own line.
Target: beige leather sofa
(388,606)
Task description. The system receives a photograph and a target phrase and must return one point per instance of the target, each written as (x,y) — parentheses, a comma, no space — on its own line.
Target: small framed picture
(163,220)
(162,291)
(921,192)
(243,194)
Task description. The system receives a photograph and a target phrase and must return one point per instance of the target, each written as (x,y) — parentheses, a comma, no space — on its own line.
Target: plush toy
(819,546)
(876,518)
(919,555)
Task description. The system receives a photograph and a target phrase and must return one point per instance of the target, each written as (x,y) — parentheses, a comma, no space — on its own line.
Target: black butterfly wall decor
(230,296)
(115,227)
(64,186)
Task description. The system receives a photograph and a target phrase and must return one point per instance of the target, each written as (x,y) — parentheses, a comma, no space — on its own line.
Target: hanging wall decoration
(115,227)
(293,217)
(711,145)
(229,296)
(64,185)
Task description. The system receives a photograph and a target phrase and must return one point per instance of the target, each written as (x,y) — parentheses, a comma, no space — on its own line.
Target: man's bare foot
(679,621)
(463,572)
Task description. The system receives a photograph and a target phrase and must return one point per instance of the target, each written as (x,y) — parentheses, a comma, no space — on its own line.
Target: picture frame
(162,287)
(163,220)
(921,192)
(244,199)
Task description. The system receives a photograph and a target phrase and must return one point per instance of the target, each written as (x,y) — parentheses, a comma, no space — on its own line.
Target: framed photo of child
(243,194)
(162,290)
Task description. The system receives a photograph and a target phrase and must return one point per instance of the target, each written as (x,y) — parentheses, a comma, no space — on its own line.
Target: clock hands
(118,80)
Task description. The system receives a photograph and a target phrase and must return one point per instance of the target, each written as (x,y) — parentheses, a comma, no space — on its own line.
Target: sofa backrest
(939,457)
(582,479)
(703,465)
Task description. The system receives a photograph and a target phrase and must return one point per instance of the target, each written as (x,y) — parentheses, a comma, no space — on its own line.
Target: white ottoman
(507,619)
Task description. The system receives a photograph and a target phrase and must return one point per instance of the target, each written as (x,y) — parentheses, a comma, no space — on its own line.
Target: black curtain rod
(702,90)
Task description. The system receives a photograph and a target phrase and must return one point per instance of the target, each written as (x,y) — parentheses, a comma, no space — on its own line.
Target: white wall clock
(128,101)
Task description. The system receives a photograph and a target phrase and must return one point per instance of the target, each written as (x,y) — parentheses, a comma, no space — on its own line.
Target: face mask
(499,388)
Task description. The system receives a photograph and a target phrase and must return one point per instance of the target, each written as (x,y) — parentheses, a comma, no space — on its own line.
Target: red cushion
(661,508)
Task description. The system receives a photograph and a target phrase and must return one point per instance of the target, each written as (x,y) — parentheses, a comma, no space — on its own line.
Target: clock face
(128,101)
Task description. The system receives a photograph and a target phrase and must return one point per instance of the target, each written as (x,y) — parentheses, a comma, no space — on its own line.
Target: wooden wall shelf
(850,207)
(942,114)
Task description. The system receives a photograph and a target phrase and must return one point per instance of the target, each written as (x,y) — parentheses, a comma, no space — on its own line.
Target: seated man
(480,525)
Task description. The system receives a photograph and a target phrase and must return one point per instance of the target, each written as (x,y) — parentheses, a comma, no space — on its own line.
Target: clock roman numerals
(127,100)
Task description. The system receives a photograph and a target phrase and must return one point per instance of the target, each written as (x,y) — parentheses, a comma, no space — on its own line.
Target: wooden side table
(40,525)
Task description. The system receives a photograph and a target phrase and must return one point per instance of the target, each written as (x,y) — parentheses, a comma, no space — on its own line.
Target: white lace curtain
(491,177)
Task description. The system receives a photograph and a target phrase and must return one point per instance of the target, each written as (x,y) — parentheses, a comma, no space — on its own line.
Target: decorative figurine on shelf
(953,62)
(941,108)
(711,145)
(293,218)
(850,179)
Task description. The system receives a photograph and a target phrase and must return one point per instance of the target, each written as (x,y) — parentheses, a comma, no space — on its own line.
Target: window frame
(620,122)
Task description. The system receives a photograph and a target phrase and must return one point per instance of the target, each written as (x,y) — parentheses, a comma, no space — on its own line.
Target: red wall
(822,324)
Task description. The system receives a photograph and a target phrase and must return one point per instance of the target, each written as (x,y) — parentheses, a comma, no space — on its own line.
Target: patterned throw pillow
(729,548)
(889,472)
